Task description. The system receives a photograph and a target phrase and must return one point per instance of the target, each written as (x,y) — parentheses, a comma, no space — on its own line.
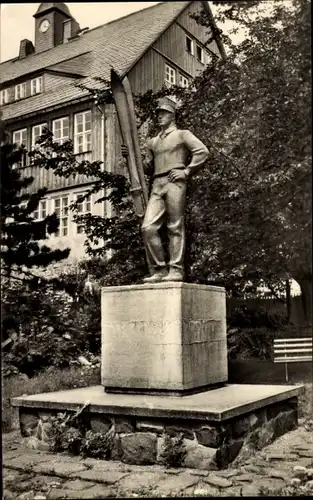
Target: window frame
(86,144)
(201,59)
(171,69)
(22,94)
(42,126)
(181,78)
(64,218)
(62,137)
(41,213)
(19,142)
(84,210)
(4,96)
(38,79)
(192,49)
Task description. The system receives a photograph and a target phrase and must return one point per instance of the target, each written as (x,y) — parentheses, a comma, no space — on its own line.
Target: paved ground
(33,475)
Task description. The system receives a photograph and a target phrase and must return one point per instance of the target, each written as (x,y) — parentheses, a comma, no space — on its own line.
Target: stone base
(164,337)
(218,427)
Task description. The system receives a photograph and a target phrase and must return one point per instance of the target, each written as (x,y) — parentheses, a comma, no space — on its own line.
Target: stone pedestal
(164,338)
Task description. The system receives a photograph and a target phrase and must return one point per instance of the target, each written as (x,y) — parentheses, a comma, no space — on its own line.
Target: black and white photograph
(156,249)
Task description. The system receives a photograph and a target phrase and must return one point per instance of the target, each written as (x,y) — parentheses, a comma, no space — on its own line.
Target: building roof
(119,43)
(47,6)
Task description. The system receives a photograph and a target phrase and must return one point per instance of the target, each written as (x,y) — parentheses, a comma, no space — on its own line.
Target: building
(38,88)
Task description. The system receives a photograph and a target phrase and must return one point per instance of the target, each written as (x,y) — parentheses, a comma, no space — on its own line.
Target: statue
(168,154)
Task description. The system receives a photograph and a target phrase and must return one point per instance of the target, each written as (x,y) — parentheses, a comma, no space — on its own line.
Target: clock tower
(50,20)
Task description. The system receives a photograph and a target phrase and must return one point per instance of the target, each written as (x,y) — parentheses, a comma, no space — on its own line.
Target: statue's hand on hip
(176,175)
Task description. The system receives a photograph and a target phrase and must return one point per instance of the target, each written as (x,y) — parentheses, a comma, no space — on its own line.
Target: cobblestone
(45,476)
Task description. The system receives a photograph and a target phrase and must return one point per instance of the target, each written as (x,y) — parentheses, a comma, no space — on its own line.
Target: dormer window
(4,97)
(20,91)
(200,55)
(189,45)
(36,86)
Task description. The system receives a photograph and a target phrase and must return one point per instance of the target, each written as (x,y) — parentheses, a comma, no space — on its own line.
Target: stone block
(28,423)
(228,452)
(198,456)
(211,436)
(124,424)
(184,428)
(166,337)
(100,423)
(138,448)
(116,450)
(150,426)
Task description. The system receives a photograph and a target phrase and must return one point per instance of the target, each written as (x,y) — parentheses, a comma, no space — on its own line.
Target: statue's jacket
(172,149)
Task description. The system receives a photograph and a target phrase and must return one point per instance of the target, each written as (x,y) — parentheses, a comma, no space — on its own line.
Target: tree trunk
(306,298)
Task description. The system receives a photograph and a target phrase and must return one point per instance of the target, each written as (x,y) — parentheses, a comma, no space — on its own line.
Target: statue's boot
(157,277)
(174,275)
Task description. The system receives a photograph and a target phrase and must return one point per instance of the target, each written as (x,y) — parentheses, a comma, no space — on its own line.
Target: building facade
(157,45)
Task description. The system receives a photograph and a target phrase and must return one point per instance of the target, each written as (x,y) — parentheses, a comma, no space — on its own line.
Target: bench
(292,351)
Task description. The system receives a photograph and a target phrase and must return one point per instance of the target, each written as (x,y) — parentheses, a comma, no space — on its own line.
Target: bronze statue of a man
(174,156)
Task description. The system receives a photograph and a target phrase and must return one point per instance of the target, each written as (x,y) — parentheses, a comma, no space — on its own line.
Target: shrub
(48,327)
(250,343)
(247,317)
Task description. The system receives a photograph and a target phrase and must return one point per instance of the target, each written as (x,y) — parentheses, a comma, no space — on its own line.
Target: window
(61,210)
(83,208)
(189,45)
(200,54)
(37,131)
(4,96)
(60,129)
(41,211)
(36,86)
(20,91)
(82,132)
(19,138)
(183,81)
(170,75)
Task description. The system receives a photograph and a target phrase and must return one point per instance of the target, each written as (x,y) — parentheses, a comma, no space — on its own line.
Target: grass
(52,379)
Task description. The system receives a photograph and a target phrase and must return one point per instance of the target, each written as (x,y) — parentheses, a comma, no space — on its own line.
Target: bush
(250,343)
(245,317)
(48,327)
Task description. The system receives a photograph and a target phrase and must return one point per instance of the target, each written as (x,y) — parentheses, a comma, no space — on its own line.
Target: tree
(21,235)
(249,211)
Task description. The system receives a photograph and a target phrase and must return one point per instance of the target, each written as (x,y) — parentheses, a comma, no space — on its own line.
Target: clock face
(44,25)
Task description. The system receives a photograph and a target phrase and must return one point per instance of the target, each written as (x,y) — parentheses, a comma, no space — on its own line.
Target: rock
(294,481)
(176,430)
(67,336)
(28,495)
(124,425)
(246,477)
(8,495)
(300,471)
(76,484)
(99,423)
(309,484)
(227,453)
(40,497)
(309,473)
(28,424)
(205,490)
(139,448)
(149,426)
(199,456)
(265,436)
(275,456)
(116,451)
(210,436)
(83,361)
(217,481)
(284,422)
(305,453)
(241,427)
(250,490)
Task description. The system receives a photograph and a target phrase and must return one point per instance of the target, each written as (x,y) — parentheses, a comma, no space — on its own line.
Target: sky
(17,20)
